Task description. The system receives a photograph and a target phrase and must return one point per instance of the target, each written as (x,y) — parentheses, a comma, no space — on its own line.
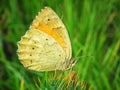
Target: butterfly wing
(40,52)
(48,22)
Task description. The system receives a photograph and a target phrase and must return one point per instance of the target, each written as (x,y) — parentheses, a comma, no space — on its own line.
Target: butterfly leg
(54,74)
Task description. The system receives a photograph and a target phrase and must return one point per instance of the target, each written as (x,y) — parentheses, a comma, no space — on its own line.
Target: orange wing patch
(51,33)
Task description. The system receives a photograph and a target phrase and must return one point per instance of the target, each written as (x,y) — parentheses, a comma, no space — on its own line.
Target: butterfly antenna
(85,56)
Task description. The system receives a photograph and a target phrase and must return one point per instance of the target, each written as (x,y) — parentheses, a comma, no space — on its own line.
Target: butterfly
(46,45)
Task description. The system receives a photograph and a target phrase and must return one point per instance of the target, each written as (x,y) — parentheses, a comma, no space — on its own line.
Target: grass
(94,31)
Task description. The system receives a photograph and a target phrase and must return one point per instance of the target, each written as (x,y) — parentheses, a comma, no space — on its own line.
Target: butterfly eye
(73,61)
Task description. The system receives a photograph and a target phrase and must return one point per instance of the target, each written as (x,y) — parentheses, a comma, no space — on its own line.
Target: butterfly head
(69,63)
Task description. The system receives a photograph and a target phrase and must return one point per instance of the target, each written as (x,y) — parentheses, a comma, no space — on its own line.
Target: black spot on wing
(33,48)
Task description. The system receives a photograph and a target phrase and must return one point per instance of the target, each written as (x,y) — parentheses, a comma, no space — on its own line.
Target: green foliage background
(94,29)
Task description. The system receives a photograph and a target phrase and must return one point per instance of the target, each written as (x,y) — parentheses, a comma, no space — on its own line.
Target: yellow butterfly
(46,45)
